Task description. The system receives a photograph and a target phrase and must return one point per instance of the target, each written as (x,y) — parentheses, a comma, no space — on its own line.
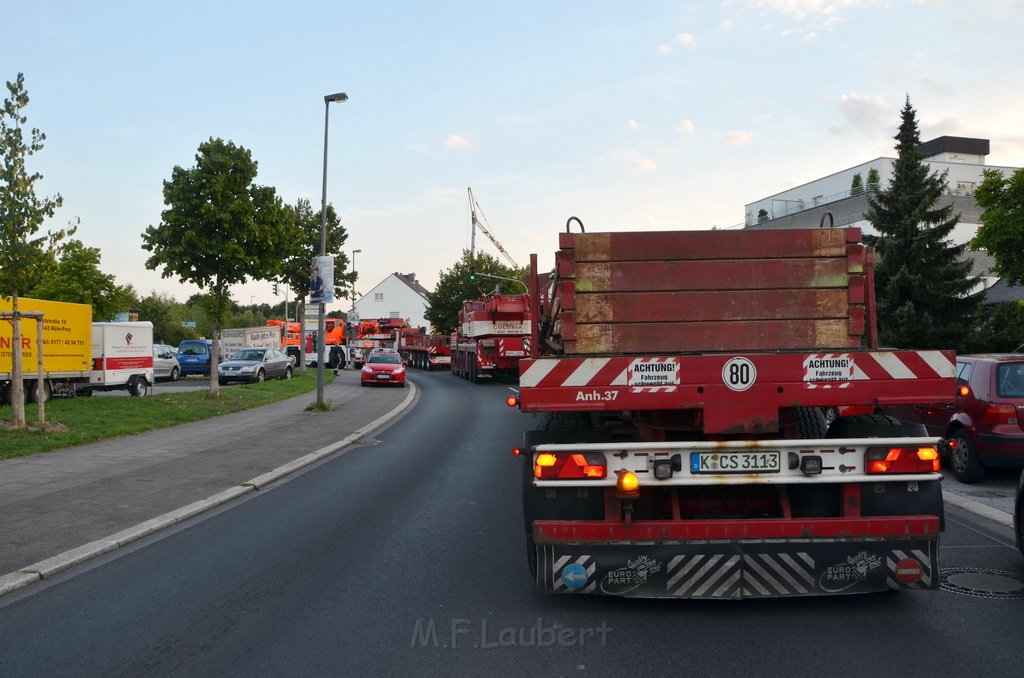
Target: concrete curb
(46,569)
(977,508)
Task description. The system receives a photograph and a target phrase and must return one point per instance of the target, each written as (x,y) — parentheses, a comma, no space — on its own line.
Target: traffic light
(472,273)
(275,289)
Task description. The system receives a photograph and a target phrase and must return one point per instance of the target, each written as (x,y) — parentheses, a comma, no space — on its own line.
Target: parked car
(383,367)
(255,365)
(985,417)
(165,363)
(1018,514)
(194,356)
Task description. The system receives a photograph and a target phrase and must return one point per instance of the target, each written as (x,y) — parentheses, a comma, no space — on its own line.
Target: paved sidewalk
(54,503)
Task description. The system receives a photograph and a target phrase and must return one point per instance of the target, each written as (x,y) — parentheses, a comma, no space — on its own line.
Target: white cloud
(739,137)
(644,165)
(685,39)
(726,25)
(866,113)
(686,127)
(803,9)
(458,142)
(664,50)
(633,124)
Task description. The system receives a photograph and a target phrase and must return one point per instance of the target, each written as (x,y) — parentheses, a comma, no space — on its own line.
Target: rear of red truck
(688,389)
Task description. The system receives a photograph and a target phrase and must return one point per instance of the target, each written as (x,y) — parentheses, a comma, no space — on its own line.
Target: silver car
(165,363)
(255,365)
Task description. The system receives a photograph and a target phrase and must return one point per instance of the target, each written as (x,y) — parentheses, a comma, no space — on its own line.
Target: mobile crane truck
(686,387)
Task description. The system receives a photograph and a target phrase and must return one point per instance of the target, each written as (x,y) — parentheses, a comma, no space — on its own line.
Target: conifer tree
(921,278)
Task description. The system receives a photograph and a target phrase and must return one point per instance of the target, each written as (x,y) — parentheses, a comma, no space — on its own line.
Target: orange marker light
(964,391)
(512,401)
(628,484)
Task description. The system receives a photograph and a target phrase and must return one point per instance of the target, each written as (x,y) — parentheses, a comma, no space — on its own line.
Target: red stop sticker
(908,571)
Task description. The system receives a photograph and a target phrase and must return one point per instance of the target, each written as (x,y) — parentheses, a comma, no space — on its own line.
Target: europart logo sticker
(828,367)
(842,576)
(629,578)
(653,372)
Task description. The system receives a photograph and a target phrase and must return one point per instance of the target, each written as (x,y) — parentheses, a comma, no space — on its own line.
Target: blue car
(194,356)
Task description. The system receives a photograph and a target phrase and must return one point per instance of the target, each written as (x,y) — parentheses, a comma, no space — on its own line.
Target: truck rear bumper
(737,559)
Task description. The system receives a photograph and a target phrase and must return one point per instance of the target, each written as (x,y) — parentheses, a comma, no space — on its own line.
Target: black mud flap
(732,570)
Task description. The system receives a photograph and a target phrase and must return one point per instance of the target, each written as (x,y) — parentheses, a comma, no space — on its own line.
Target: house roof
(410,280)
(1001,292)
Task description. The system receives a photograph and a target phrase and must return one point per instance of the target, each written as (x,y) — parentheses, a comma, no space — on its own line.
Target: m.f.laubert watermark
(465,633)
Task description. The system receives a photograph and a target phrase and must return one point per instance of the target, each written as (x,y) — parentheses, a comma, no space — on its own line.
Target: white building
(397,296)
(805,206)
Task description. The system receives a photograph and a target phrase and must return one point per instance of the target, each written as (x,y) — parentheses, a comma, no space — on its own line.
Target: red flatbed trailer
(425,351)
(691,448)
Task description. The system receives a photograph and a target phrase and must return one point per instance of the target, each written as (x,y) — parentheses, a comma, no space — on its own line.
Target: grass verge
(75,421)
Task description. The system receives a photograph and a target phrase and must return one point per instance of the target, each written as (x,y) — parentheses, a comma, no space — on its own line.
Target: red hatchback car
(986,417)
(383,367)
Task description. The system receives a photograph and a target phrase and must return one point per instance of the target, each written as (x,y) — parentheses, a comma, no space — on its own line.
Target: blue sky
(632,116)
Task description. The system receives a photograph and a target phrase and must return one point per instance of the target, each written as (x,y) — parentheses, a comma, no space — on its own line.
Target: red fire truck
(691,446)
(492,337)
(424,351)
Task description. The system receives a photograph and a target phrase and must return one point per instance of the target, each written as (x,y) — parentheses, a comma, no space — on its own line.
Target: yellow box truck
(67,356)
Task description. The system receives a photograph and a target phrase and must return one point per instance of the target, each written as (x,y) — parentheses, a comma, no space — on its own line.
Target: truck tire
(137,386)
(31,395)
(873,426)
(810,423)
(963,460)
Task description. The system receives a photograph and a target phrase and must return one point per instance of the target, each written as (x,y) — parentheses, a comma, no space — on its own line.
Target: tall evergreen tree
(921,279)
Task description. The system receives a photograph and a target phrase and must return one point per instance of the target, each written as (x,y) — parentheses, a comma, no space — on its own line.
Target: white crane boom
(477,223)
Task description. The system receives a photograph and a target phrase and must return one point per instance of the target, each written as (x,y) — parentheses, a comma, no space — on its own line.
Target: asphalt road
(405,556)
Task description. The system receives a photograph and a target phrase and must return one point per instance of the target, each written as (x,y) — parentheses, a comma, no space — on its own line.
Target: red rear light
(902,460)
(575,466)
(996,414)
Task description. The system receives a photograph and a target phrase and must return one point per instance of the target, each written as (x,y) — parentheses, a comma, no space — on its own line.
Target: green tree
(168,317)
(857,185)
(1002,223)
(76,277)
(305,244)
(922,280)
(999,329)
(454,286)
(24,256)
(873,179)
(220,229)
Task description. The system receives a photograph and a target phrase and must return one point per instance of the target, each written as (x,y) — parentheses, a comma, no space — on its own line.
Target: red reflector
(902,460)
(575,466)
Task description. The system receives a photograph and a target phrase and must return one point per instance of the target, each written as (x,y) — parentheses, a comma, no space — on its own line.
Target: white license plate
(735,462)
(383,376)
(515,354)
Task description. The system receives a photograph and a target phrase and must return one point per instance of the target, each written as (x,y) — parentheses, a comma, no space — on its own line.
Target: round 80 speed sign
(739,374)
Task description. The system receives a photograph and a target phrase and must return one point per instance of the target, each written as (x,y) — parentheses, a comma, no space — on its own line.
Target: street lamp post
(320,324)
